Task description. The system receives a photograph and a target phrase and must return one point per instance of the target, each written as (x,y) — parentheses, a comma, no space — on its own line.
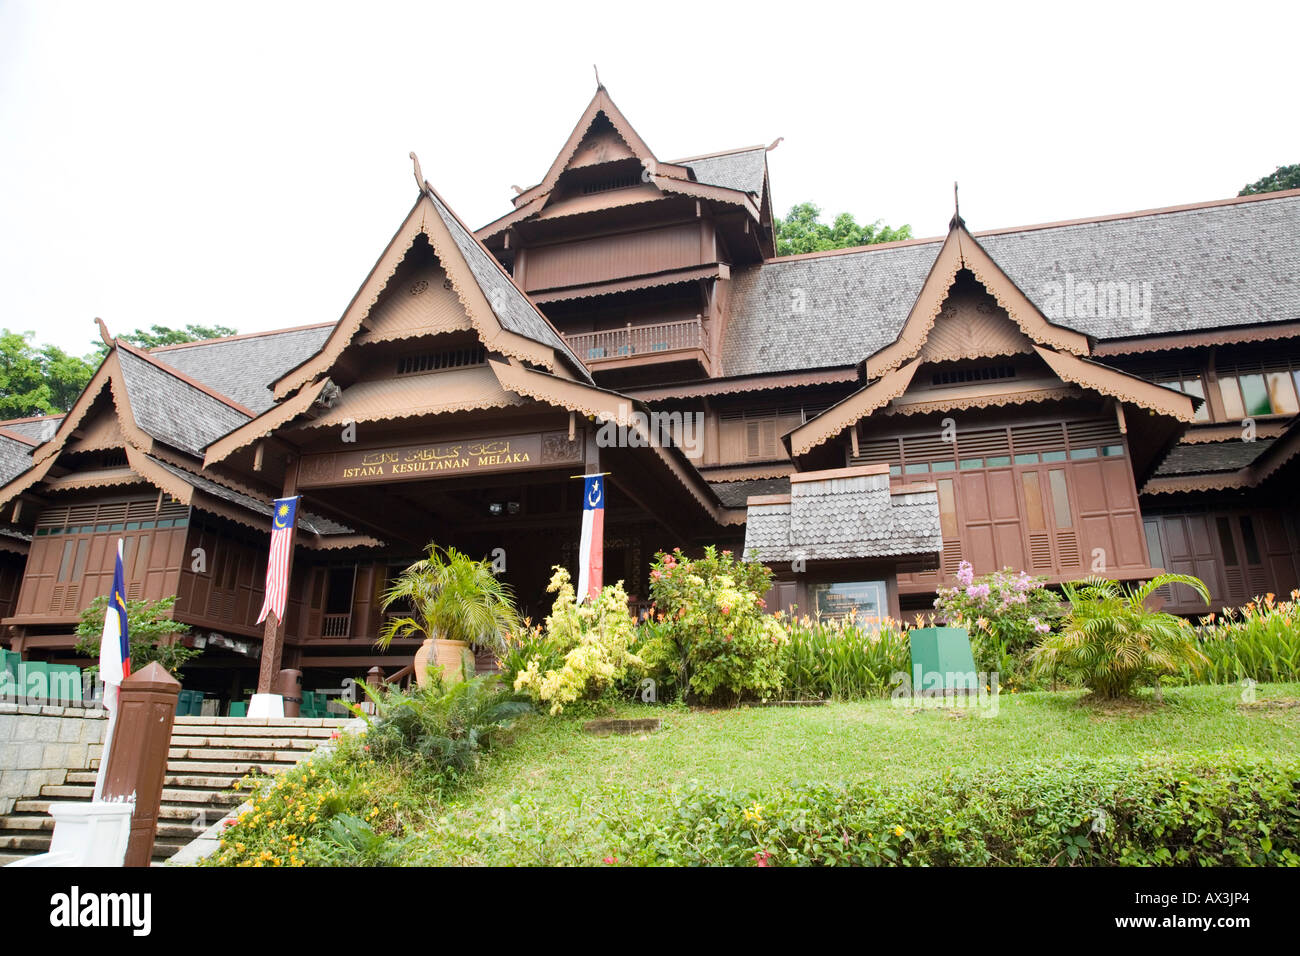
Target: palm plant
(1109,640)
(451,596)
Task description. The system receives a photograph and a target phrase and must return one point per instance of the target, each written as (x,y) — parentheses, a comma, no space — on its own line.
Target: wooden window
(947,508)
(1060,498)
(1265,389)
(1249,541)
(1226,544)
(1033,493)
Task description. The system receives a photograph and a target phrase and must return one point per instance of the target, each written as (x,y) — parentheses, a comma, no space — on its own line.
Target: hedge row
(1229,809)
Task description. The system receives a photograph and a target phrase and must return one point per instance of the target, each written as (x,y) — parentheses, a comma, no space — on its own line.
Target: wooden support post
(137,757)
(273,635)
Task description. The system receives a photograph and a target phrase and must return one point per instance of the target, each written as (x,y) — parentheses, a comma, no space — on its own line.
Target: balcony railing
(637,340)
(336,625)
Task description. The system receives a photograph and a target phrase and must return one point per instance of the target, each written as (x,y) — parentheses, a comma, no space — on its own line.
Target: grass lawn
(537,801)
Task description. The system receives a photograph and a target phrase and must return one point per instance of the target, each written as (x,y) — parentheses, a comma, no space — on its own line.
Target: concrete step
(26,821)
(66,792)
(243,754)
(295,722)
(80,776)
(223,767)
(7,858)
(218,798)
(203,782)
(299,744)
(31,843)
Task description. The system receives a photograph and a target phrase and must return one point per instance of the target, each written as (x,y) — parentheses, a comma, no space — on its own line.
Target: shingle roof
(15,458)
(853,516)
(39,429)
(514,309)
(245,367)
(743,170)
(314,524)
(734,494)
(1206,267)
(173,410)
(1206,457)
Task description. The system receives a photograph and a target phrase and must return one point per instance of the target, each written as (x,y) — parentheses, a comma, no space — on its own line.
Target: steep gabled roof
(744,170)
(243,367)
(172,408)
(504,318)
(1225,264)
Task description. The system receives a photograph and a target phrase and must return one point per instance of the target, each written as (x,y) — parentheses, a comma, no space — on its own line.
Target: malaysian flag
(591,547)
(284,511)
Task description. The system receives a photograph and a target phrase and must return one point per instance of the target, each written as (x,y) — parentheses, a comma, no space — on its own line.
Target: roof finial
(957,221)
(775,143)
(599,85)
(103,332)
(419,176)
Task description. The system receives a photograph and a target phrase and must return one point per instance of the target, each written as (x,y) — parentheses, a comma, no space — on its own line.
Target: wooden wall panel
(72,556)
(613,257)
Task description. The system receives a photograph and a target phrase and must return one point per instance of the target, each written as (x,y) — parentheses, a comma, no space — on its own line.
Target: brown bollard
(288,684)
(137,757)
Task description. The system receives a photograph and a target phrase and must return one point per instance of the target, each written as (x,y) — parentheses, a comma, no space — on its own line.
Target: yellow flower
(755,813)
(898,831)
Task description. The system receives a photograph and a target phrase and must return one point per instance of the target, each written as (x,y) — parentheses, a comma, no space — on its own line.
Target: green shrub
(727,647)
(154,636)
(1109,641)
(446,729)
(1201,810)
(1261,641)
(595,639)
(836,659)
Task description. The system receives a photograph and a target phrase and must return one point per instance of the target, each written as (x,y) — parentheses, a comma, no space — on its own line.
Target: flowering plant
(714,625)
(595,638)
(1011,605)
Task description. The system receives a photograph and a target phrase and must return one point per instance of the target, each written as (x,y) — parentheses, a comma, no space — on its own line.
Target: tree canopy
(1284,177)
(36,380)
(45,380)
(802,231)
(157,335)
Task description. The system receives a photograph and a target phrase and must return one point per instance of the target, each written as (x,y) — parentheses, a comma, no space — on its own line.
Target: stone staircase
(207,756)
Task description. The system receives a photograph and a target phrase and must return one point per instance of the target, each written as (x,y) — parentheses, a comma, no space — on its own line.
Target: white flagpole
(112,711)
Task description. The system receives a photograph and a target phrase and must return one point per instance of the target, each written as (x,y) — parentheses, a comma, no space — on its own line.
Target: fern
(1109,640)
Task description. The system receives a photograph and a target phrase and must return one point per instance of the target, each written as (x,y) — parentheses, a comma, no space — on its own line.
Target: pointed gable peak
(602,134)
(504,319)
(961,252)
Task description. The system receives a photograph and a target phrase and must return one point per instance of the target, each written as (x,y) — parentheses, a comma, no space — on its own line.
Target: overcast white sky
(245,163)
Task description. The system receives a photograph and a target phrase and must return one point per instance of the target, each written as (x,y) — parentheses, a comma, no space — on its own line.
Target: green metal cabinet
(942,660)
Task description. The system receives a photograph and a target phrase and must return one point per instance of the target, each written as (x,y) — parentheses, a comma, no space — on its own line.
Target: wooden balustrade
(646,340)
(336,625)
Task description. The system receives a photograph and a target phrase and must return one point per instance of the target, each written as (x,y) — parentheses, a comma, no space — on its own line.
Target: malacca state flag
(591,546)
(115,642)
(284,511)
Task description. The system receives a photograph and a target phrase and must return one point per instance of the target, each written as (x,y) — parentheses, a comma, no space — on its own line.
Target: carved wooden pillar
(273,636)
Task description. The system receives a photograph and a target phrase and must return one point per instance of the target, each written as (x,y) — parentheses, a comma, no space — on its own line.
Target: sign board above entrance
(441,460)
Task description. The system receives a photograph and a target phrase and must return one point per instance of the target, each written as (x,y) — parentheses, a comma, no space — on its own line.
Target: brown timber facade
(1115,396)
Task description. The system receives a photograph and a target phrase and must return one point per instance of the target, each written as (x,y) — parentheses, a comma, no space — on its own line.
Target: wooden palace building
(1114,395)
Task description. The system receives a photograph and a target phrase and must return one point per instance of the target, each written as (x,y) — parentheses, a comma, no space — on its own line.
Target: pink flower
(656,575)
(610,860)
(761,858)
(726,609)
(727,638)
(977,591)
(965,573)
